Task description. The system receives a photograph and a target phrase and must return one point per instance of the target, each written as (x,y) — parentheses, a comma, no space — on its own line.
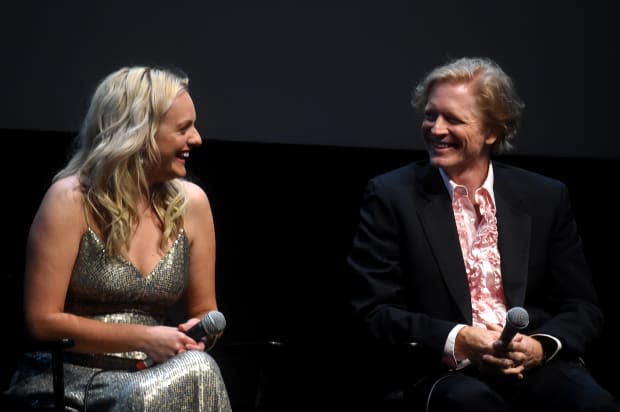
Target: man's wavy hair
(497,97)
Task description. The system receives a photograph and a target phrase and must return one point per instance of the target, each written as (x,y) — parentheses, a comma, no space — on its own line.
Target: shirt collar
(487,184)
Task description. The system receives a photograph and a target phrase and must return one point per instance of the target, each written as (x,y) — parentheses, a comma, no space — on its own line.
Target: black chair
(57,403)
(265,356)
(58,374)
(12,302)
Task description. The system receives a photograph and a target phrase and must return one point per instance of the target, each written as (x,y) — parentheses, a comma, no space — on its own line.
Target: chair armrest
(53,345)
(266,347)
(56,347)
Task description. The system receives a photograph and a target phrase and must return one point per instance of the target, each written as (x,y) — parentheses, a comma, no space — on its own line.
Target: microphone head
(213,322)
(517,317)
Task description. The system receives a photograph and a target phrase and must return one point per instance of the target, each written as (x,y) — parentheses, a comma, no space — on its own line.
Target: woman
(119,238)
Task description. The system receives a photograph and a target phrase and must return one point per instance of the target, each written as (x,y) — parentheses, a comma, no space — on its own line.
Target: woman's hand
(164,342)
(187,325)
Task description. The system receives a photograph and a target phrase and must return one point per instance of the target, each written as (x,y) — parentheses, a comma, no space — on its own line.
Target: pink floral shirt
(478,237)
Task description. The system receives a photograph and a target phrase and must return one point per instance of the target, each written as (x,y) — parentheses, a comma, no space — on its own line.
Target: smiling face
(176,136)
(454,132)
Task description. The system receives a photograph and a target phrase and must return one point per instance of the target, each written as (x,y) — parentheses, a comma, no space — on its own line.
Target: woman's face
(175,137)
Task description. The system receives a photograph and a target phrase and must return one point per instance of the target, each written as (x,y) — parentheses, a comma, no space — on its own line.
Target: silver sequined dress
(114,291)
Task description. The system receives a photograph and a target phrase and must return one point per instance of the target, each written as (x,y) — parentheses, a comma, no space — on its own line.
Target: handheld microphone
(209,326)
(517,319)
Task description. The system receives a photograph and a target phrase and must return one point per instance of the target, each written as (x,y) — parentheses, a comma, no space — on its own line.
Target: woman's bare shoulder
(198,212)
(66,186)
(64,199)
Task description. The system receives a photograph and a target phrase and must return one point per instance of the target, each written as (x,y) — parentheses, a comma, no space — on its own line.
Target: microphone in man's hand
(517,319)
(209,326)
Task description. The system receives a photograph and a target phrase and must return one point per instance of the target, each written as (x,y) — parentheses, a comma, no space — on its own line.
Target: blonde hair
(496,95)
(115,145)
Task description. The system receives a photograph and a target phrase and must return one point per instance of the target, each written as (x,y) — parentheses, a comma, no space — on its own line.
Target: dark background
(299,103)
(330,72)
(284,219)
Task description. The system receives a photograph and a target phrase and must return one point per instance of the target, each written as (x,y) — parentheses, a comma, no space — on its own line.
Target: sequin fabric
(478,238)
(114,291)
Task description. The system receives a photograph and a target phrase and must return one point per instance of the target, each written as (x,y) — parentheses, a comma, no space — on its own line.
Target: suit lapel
(437,219)
(514,227)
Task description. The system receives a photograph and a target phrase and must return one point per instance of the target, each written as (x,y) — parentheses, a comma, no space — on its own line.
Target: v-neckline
(129,263)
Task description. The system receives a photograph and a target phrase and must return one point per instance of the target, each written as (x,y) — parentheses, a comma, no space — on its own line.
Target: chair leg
(58,375)
(57,349)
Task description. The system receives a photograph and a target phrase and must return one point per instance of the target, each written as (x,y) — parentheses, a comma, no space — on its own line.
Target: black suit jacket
(409,279)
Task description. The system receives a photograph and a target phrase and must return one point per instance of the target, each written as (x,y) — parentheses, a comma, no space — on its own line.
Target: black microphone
(209,326)
(516,320)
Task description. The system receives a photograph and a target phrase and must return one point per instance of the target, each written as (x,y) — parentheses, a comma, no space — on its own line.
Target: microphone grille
(517,317)
(213,322)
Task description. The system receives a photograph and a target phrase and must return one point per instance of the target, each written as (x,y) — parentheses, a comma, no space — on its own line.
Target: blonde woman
(119,237)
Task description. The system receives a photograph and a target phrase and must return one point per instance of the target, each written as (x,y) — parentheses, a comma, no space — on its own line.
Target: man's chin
(439,161)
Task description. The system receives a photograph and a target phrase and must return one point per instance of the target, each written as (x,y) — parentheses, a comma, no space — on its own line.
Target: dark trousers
(560,385)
